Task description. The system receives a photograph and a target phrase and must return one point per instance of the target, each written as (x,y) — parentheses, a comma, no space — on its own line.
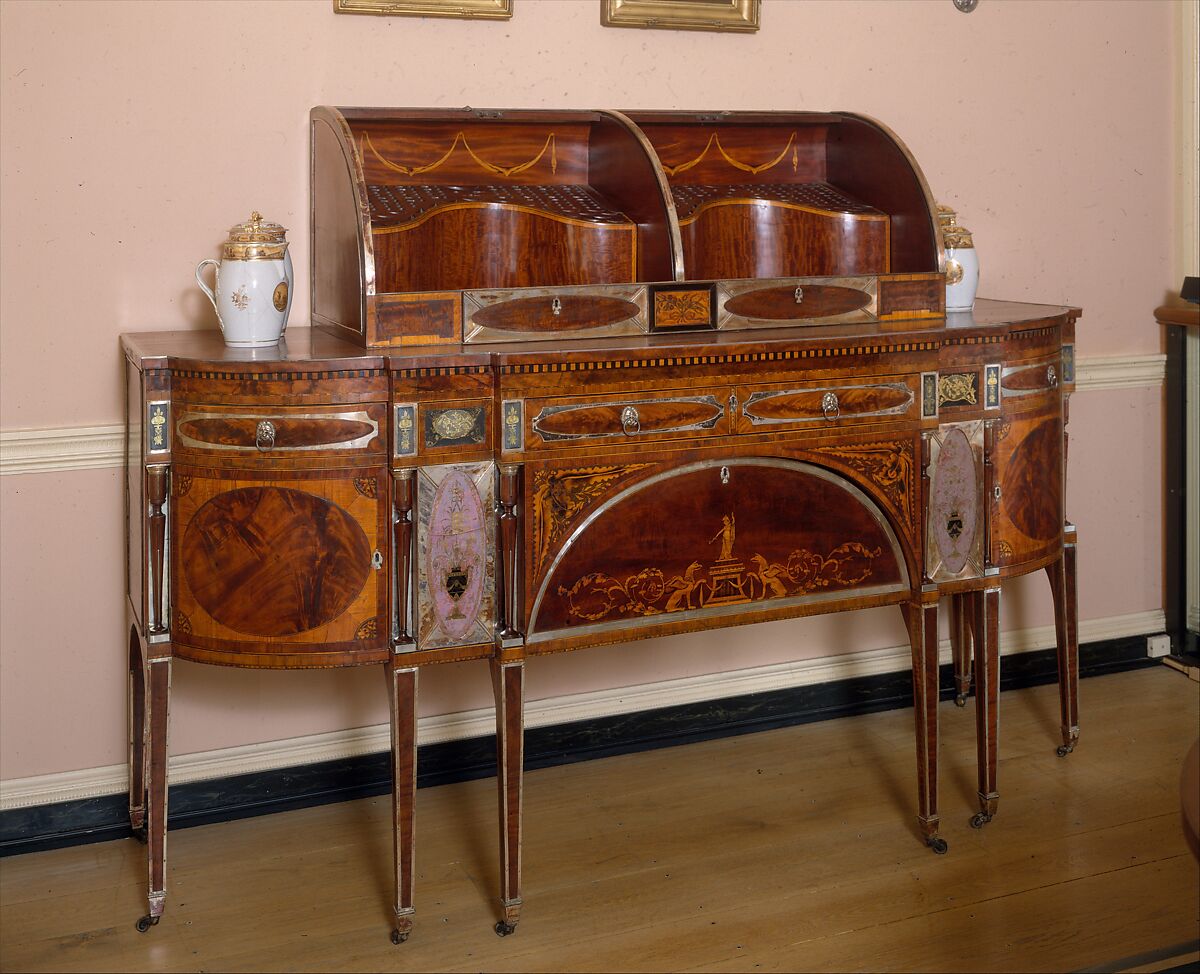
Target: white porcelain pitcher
(962,263)
(253,284)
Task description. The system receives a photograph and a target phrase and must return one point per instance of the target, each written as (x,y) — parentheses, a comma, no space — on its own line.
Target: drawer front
(802,301)
(279,565)
(804,405)
(619,419)
(281,430)
(1028,379)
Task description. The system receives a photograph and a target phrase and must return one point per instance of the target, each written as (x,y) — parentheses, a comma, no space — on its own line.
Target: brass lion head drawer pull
(264,437)
(631,422)
(1051,376)
(830,406)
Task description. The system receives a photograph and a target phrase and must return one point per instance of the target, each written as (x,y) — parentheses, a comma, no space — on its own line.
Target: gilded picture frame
(734,16)
(463,9)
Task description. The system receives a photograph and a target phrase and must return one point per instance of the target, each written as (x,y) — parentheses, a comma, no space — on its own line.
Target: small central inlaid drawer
(799,405)
(647,416)
(280,430)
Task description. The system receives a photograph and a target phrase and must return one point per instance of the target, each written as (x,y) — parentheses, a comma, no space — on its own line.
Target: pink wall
(133,134)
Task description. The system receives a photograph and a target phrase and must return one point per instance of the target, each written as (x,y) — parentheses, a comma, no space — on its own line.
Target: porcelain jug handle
(216,281)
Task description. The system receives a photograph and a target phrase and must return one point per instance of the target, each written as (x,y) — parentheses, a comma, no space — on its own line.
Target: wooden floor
(793,849)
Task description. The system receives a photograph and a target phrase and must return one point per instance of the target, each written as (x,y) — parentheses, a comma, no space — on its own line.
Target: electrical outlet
(1157,646)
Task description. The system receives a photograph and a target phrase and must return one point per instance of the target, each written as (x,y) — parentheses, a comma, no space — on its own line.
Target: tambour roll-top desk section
(577,378)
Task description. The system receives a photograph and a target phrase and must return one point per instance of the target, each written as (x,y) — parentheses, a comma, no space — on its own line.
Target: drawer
(1025,379)
(753,304)
(672,414)
(807,404)
(281,430)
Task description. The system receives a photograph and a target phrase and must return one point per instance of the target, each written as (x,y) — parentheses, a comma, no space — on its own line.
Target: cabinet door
(280,569)
(681,542)
(1027,458)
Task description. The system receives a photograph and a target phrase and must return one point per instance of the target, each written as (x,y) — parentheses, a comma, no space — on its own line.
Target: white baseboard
(250,758)
(88,447)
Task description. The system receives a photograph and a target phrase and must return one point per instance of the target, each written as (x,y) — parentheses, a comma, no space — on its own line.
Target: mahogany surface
(577,378)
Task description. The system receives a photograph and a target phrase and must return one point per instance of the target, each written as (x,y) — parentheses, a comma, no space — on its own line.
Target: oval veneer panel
(1035,378)
(536,315)
(808,403)
(239,431)
(272,561)
(604,419)
(779,303)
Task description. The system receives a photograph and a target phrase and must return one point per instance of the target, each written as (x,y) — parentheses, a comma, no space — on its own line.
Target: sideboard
(580,378)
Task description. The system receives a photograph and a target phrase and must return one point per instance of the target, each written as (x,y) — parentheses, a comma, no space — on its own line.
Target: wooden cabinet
(575,379)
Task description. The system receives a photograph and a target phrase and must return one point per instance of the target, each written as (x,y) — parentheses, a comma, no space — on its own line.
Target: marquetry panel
(954,508)
(707,538)
(455,425)
(456,555)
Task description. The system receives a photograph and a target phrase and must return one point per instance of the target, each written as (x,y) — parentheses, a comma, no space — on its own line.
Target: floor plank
(784,850)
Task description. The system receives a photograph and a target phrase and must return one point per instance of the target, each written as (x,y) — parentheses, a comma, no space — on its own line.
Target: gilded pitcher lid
(953,236)
(256,239)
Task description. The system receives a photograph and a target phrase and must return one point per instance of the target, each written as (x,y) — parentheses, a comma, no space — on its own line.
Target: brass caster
(939,845)
(398,937)
(140,834)
(503,929)
(1064,750)
(979,820)
(146,922)
(960,699)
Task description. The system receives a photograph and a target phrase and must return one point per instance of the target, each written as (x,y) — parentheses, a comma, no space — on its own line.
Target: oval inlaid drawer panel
(1028,380)
(886,398)
(276,431)
(630,418)
(536,315)
(782,303)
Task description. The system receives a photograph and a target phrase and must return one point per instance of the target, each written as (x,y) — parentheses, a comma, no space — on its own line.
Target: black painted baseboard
(240,796)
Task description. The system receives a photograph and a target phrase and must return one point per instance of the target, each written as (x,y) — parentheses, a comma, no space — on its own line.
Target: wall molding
(68,448)
(271,755)
(40,450)
(1101,372)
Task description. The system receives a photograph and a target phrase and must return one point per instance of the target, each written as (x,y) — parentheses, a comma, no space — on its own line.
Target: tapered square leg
(402,698)
(158,697)
(987,699)
(960,644)
(922,630)
(508,682)
(1066,627)
(137,736)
